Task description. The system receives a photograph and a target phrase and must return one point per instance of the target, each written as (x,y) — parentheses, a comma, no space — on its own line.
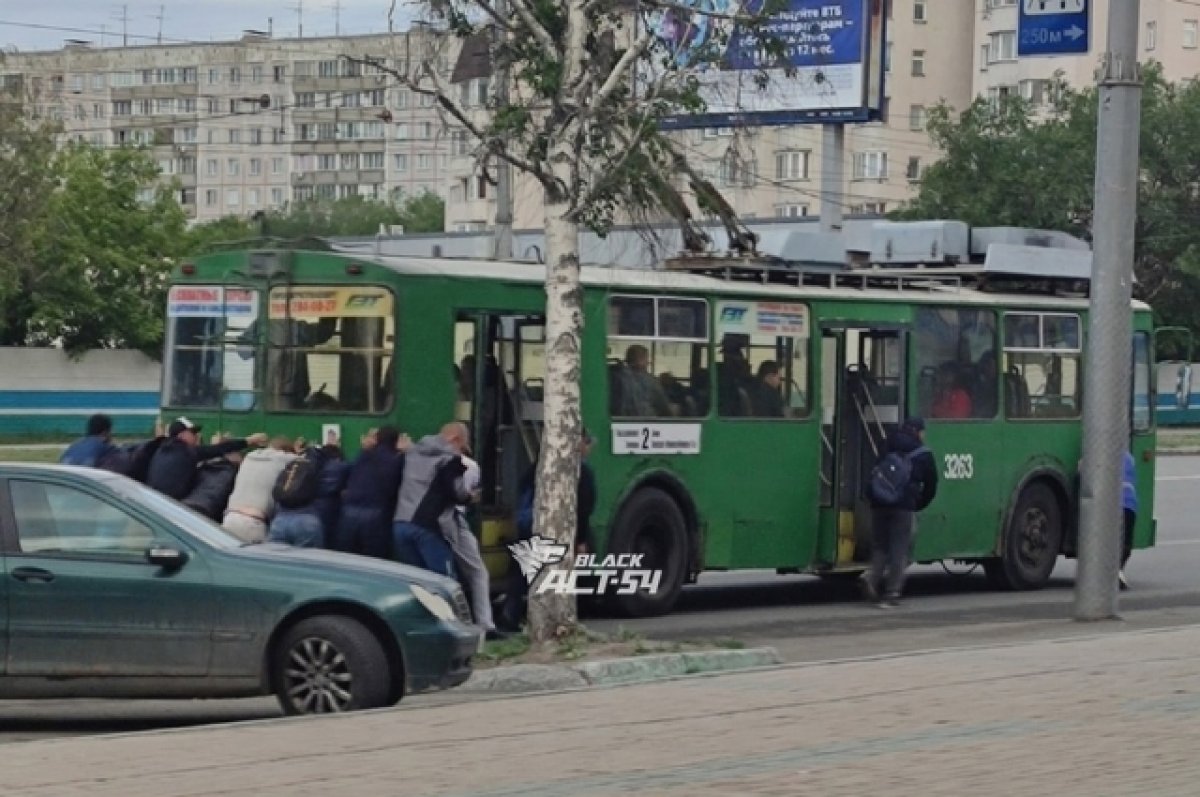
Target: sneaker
(870,591)
(1124,582)
(496,634)
(890,602)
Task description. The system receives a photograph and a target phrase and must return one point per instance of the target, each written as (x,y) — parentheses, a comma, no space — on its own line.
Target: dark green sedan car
(112,590)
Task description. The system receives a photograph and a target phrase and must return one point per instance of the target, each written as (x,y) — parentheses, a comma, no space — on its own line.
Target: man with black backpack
(901,484)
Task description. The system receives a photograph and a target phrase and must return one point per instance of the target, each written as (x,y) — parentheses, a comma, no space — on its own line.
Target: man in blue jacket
(87,452)
(892,525)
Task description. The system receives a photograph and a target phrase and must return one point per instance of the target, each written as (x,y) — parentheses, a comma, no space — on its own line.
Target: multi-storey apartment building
(936,51)
(253,124)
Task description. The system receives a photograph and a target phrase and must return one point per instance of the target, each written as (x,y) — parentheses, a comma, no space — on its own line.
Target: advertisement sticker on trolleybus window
(656,438)
(621,572)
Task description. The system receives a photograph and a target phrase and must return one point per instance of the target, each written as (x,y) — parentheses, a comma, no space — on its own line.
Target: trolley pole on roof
(1107,365)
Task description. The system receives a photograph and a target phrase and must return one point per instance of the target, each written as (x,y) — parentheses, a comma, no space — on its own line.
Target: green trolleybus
(737,405)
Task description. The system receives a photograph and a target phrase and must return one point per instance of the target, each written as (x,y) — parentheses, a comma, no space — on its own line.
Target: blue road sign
(1053,27)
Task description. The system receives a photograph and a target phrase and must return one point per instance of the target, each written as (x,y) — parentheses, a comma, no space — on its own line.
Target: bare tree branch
(624,66)
(536,29)
(440,92)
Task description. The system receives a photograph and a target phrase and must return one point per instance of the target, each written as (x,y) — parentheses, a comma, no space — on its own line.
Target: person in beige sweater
(251,504)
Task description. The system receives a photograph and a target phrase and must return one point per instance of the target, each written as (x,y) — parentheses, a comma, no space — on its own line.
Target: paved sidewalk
(1115,714)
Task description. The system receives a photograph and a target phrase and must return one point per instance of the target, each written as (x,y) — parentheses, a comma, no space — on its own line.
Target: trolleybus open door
(863,396)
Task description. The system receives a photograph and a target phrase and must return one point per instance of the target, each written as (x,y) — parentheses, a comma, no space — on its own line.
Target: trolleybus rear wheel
(1032,542)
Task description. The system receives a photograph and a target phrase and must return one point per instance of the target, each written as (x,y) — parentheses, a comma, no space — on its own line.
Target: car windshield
(177,514)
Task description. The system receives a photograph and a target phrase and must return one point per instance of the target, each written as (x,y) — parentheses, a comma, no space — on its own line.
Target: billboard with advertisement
(812,61)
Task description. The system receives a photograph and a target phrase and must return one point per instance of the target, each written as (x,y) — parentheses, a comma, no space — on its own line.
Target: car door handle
(32,574)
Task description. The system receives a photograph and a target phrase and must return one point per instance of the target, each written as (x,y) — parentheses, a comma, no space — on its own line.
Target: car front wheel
(330,664)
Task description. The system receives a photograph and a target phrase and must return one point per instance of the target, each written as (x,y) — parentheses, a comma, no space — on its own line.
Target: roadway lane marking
(1177,542)
(1177,478)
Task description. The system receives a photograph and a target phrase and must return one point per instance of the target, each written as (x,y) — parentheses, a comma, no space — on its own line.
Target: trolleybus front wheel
(652,525)
(1032,542)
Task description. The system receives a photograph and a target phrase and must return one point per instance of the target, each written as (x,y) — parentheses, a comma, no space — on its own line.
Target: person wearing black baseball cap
(173,467)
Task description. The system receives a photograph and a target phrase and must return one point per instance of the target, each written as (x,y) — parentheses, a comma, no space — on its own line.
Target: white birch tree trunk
(551,616)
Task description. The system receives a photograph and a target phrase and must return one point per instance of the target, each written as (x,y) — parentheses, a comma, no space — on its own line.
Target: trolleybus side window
(1142,397)
(330,348)
(1042,365)
(658,357)
(957,372)
(211,347)
(762,370)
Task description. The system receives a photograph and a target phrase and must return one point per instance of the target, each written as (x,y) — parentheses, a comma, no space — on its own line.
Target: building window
(870,165)
(276,165)
(235,136)
(1032,91)
(401,99)
(1151,35)
(887,58)
(256,76)
(1190,33)
(400,163)
(232,167)
(255,167)
(791,211)
(869,209)
(276,197)
(372,160)
(210,198)
(913,171)
(919,11)
(791,165)
(916,117)
(212,168)
(278,73)
(252,197)
(327,69)
(658,350)
(1002,46)
(233,198)
(424,163)
(327,163)
(918,63)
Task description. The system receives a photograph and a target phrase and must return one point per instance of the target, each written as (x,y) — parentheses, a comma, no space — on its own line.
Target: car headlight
(434,604)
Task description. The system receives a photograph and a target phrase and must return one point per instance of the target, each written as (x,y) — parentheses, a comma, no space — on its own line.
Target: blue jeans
(418,546)
(362,530)
(300,530)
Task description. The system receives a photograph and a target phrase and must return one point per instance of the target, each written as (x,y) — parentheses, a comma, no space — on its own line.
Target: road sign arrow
(1073,32)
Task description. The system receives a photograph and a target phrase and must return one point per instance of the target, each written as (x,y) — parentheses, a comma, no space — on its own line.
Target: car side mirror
(166,558)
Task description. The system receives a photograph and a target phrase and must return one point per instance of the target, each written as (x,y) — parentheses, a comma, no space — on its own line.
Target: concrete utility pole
(299,8)
(833,155)
(162,11)
(337,18)
(503,237)
(1109,353)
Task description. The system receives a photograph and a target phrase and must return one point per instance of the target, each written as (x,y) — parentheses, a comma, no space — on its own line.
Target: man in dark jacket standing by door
(892,524)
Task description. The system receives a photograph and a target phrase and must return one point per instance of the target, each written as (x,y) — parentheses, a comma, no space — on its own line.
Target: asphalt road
(804,618)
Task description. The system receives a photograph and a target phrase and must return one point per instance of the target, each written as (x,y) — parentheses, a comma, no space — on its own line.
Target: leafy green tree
(349,216)
(101,255)
(1007,164)
(27,179)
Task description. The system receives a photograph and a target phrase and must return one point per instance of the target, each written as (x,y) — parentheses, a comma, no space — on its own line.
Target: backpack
(891,477)
(297,484)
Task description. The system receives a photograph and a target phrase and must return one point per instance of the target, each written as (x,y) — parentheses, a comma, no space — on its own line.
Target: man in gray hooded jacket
(429,494)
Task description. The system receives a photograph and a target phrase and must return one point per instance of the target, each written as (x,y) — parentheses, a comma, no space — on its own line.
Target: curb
(1183,451)
(522,678)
